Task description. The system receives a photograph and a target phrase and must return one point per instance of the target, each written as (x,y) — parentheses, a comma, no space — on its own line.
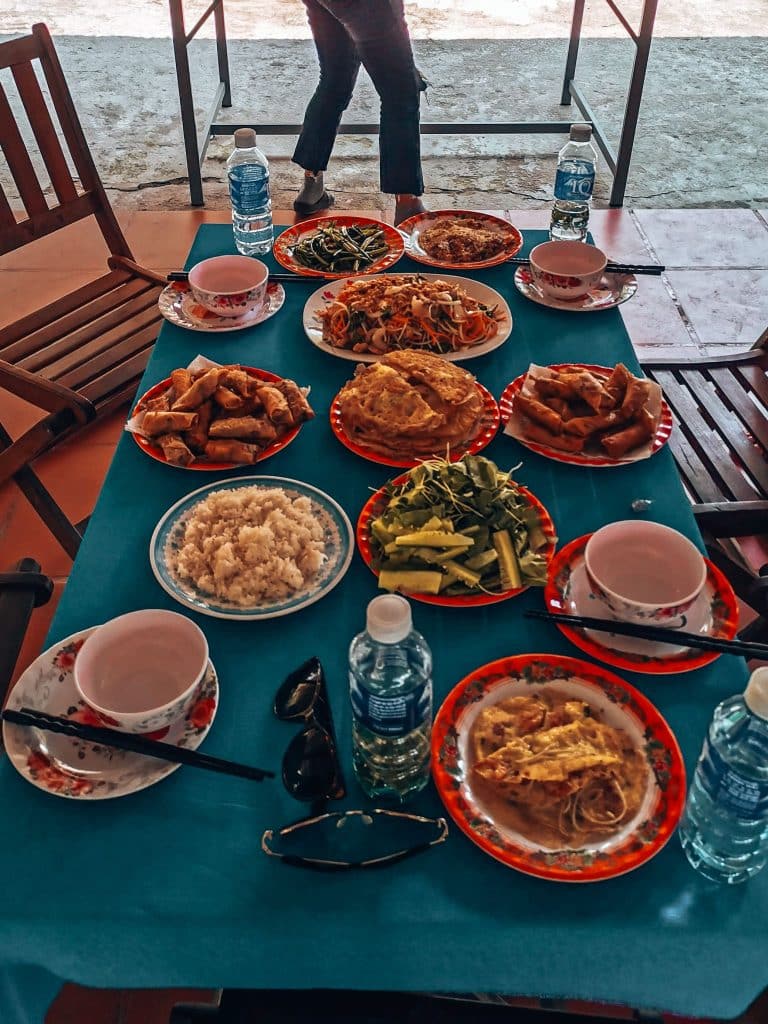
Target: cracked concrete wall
(700,142)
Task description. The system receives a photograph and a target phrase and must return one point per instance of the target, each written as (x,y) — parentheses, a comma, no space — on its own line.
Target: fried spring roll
(181,381)
(174,449)
(275,404)
(583,426)
(565,442)
(227,398)
(582,384)
(616,387)
(539,413)
(243,427)
(623,441)
(155,423)
(231,451)
(197,393)
(300,408)
(162,403)
(560,406)
(197,437)
(637,396)
(235,379)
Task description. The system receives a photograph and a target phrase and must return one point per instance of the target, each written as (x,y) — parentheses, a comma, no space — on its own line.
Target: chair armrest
(16,603)
(45,394)
(123,263)
(733,518)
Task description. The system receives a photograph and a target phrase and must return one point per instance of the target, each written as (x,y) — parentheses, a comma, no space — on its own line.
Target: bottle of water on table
(248,176)
(724,830)
(390,679)
(574,183)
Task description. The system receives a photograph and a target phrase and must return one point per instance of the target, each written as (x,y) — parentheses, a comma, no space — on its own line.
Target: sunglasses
(354,839)
(311,768)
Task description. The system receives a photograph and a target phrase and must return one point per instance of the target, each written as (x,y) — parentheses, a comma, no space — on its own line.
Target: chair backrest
(75,196)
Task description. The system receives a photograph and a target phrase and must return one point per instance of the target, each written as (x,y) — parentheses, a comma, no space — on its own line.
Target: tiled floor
(713,297)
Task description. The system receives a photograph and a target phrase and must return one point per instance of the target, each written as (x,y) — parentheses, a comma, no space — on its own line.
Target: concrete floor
(703,123)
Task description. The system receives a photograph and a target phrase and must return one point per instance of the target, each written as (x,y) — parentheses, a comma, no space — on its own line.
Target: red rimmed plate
(414,227)
(621,706)
(715,613)
(490,420)
(203,464)
(284,245)
(506,404)
(375,505)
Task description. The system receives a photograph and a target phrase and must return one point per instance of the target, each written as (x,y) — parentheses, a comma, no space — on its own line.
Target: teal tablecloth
(169,887)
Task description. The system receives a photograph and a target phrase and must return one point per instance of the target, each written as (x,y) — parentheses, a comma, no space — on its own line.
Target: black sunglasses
(311,768)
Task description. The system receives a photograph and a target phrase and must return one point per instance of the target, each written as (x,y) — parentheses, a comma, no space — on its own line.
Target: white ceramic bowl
(140,671)
(229,285)
(567,270)
(644,572)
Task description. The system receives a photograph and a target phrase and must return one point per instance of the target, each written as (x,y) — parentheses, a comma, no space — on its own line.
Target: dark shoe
(325,200)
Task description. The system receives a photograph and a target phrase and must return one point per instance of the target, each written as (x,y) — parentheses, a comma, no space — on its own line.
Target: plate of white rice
(251,547)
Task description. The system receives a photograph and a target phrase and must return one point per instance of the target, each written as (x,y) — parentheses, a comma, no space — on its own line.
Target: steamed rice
(251,546)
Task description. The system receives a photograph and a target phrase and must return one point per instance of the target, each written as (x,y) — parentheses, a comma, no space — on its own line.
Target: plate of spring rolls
(586,415)
(213,417)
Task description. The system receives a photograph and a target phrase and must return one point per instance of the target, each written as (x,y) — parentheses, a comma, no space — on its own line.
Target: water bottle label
(744,797)
(249,193)
(575,185)
(390,716)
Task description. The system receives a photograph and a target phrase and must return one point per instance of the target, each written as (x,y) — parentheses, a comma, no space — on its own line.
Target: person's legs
(339,65)
(380,35)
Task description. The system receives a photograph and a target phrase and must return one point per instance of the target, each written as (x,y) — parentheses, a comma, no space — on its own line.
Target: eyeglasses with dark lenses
(354,839)
(311,769)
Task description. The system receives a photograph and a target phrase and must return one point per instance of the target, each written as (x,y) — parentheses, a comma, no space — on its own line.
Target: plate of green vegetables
(456,533)
(338,246)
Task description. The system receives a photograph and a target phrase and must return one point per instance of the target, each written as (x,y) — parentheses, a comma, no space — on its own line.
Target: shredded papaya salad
(392,311)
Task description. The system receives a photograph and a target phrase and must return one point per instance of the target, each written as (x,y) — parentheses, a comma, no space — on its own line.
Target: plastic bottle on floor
(248,176)
(574,183)
(390,679)
(724,830)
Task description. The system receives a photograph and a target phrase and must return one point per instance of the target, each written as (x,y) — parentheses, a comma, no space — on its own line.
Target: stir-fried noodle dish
(553,771)
(395,311)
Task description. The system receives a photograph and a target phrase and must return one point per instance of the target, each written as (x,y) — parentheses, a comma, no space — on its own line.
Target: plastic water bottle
(390,681)
(574,182)
(724,830)
(248,174)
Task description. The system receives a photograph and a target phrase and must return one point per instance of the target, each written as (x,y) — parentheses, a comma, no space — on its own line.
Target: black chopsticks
(659,634)
(183,275)
(651,269)
(133,742)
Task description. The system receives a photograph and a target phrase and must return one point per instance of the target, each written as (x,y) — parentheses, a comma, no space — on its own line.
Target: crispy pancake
(411,403)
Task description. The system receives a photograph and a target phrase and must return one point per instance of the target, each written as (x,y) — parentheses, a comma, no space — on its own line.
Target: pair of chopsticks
(659,634)
(132,741)
(183,275)
(652,269)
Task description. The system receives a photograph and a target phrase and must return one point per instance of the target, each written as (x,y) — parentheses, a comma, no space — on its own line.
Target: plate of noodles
(460,239)
(364,318)
(558,768)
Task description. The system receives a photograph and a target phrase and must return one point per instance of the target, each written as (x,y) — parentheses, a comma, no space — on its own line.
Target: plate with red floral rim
(489,424)
(206,465)
(620,705)
(507,401)
(413,228)
(177,305)
(78,769)
(715,613)
(375,506)
(611,290)
(284,244)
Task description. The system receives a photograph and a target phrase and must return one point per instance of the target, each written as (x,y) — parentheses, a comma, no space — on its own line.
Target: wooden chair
(20,591)
(80,357)
(720,445)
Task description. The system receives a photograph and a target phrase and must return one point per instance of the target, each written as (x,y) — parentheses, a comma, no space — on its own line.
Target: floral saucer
(177,305)
(610,291)
(79,769)
(714,614)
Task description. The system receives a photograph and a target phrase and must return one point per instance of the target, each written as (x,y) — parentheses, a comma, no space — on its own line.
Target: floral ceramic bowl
(644,572)
(567,270)
(229,285)
(140,672)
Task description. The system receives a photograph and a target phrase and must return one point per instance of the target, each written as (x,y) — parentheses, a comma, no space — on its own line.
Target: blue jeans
(374,33)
